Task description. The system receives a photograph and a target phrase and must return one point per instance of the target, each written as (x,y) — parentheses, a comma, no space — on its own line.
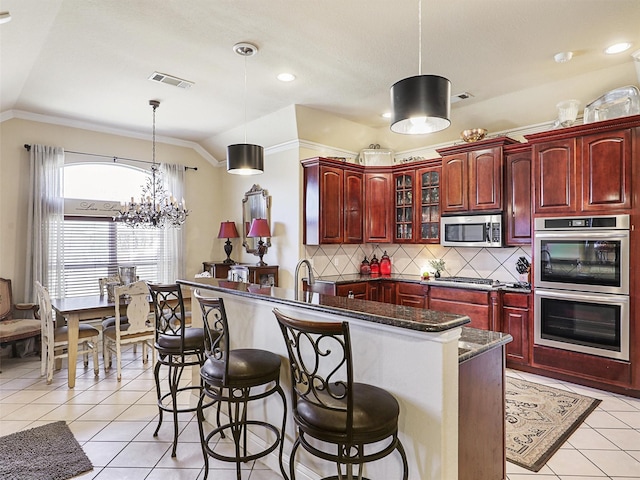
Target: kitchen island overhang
(412,353)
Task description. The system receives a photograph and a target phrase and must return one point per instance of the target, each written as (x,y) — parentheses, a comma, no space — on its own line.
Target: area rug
(540,419)
(49,452)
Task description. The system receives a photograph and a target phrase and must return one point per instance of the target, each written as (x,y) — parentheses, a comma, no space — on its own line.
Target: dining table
(74,310)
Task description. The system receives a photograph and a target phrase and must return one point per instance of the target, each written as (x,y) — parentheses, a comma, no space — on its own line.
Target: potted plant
(438,266)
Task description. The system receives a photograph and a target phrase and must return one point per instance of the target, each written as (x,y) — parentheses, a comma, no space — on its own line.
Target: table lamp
(228,230)
(259,229)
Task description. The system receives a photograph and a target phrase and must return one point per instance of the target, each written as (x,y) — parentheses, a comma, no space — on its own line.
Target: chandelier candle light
(228,230)
(157,208)
(259,229)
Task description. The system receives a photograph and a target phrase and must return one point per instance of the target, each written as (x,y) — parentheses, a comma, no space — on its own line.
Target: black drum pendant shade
(245,159)
(420,104)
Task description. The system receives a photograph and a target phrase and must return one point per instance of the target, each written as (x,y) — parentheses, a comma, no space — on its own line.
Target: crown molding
(65,122)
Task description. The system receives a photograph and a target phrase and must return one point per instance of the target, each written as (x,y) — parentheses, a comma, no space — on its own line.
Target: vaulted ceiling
(88,61)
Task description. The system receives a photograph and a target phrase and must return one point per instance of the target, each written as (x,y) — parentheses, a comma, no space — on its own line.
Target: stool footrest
(243,458)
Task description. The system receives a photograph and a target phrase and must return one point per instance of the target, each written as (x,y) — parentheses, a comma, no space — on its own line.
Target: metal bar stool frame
(177,346)
(229,375)
(328,406)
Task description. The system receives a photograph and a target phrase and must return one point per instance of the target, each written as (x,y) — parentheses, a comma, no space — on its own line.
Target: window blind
(96,247)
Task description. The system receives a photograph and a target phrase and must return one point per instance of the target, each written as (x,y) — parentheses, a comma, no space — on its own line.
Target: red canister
(385,264)
(375,265)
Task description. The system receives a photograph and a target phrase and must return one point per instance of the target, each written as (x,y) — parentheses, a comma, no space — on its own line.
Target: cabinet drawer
(459,295)
(519,300)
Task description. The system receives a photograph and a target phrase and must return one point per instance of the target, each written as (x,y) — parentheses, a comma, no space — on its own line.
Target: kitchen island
(413,353)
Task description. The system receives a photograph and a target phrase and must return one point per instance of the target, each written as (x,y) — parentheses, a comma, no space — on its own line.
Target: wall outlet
(335,262)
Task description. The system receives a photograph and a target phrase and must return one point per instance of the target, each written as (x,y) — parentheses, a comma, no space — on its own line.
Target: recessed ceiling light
(563,57)
(5,17)
(286,77)
(386,115)
(617,48)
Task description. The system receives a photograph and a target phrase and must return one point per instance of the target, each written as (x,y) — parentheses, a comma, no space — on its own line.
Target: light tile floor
(114,422)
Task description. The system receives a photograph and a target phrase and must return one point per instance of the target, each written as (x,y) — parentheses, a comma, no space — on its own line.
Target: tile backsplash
(494,263)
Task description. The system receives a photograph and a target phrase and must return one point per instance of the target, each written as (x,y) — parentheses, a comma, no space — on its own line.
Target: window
(94,245)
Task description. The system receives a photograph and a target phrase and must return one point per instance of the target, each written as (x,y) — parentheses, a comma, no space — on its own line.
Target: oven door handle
(584,235)
(583,297)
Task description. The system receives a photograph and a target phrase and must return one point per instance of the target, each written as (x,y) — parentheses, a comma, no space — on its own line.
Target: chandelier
(157,208)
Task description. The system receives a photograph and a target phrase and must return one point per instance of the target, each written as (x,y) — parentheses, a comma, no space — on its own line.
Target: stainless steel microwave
(471,231)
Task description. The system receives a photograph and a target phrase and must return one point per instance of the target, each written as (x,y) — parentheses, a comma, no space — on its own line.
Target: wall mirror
(255,204)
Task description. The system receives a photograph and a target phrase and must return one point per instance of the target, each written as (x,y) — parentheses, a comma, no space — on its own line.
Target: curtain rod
(114,158)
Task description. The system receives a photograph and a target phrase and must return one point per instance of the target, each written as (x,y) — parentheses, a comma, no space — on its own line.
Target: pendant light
(420,104)
(245,158)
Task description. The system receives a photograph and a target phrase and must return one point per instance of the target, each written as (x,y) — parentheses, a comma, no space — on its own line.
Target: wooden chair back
(138,309)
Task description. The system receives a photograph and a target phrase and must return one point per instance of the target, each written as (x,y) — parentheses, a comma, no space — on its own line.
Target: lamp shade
(259,228)
(245,159)
(420,104)
(228,230)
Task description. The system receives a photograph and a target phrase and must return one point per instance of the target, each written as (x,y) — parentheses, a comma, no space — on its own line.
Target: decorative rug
(49,452)
(540,419)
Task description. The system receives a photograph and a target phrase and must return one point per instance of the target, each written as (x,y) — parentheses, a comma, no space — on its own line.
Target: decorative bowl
(473,134)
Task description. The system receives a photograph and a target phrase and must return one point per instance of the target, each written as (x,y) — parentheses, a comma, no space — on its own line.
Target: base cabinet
(411,294)
(476,304)
(516,322)
(481,417)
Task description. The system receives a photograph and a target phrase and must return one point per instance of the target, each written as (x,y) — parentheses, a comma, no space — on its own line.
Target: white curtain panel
(170,271)
(45,220)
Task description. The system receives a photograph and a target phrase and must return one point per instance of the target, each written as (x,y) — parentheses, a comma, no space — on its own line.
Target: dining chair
(15,325)
(339,420)
(55,340)
(138,328)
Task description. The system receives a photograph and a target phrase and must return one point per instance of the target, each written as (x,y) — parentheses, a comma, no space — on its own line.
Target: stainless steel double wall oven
(581,284)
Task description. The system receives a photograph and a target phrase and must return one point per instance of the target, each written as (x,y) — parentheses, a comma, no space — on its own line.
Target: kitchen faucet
(310,281)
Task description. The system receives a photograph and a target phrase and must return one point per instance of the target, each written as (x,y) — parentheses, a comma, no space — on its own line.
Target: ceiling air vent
(170,80)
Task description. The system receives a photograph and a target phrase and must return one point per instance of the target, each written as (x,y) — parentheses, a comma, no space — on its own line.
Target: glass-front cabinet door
(428,202)
(404,206)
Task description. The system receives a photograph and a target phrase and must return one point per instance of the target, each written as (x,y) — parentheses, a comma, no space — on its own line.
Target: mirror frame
(255,204)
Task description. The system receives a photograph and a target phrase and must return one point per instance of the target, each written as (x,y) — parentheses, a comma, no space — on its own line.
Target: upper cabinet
(517,194)
(378,189)
(333,202)
(472,176)
(417,203)
(584,169)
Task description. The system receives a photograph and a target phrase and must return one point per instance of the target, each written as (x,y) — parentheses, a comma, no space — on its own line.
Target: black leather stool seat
(246,367)
(375,415)
(235,378)
(172,344)
(346,423)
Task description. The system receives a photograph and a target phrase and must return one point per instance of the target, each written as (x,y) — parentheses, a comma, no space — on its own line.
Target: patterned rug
(49,452)
(540,419)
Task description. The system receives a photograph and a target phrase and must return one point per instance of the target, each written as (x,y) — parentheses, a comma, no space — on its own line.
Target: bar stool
(177,346)
(229,375)
(329,407)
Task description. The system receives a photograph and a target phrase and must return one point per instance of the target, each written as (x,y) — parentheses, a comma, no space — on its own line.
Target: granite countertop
(384,313)
(474,341)
(356,278)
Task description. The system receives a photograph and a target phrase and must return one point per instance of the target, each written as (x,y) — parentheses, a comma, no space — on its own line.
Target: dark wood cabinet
(266,275)
(478,305)
(428,204)
(404,205)
(584,169)
(606,171)
(518,195)
(356,290)
(481,417)
(378,207)
(554,173)
(472,176)
(516,322)
(411,294)
(333,202)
